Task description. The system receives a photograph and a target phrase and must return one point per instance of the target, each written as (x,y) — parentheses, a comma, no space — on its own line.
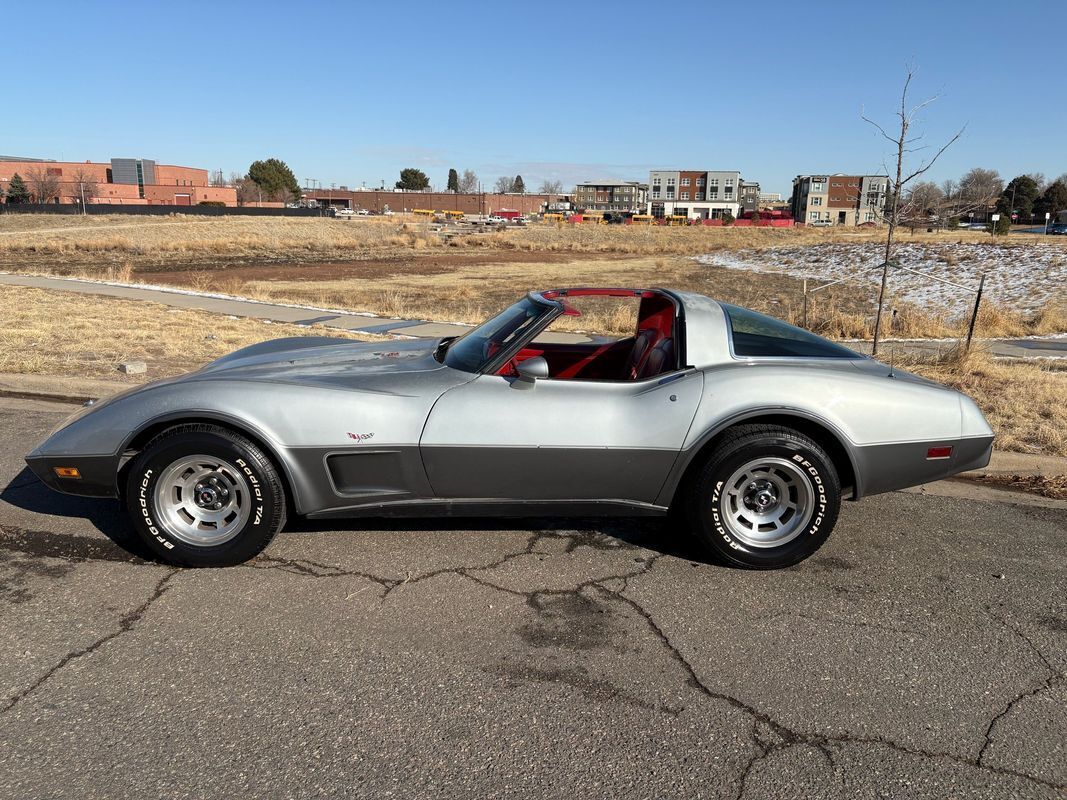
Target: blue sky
(351,92)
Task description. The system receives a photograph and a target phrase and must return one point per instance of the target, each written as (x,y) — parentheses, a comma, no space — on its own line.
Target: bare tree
(904,144)
(248,191)
(84,187)
(923,199)
(468,182)
(217,178)
(551,187)
(503,184)
(44,185)
(981,187)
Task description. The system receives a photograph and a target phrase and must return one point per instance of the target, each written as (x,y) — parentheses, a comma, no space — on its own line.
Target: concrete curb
(59,388)
(65,389)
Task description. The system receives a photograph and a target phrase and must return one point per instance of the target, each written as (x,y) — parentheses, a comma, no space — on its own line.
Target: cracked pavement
(921,652)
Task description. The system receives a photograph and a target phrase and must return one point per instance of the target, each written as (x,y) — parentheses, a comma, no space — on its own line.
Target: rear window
(756,335)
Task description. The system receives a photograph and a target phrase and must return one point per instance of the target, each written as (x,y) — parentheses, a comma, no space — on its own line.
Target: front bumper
(98,474)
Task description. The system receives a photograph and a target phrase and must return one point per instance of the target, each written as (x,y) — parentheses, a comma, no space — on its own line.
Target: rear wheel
(204,496)
(767,497)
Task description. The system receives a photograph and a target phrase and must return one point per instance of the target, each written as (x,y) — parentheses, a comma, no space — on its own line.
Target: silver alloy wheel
(767,502)
(202,500)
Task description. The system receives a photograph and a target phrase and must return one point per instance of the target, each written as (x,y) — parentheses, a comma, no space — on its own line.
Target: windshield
(473,350)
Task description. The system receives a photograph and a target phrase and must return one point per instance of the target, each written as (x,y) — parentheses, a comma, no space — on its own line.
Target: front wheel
(204,496)
(767,497)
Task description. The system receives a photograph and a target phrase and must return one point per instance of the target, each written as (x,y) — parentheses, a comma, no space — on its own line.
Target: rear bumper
(888,467)
(98,474)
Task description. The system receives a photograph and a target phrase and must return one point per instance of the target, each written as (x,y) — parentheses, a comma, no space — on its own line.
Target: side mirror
(531,369)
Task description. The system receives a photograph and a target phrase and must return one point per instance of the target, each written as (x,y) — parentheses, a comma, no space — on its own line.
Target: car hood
(322,360)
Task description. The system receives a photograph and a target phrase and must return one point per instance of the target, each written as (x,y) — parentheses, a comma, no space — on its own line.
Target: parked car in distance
(344,213)
(1058,229)
(751,429)
(362,213)
(493,219)
(821,223)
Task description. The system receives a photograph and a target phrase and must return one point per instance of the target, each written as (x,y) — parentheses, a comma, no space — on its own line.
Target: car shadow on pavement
(658,534)
(662,535)
(26,491)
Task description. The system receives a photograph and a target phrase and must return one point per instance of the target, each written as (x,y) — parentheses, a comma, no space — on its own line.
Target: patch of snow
(1018,276)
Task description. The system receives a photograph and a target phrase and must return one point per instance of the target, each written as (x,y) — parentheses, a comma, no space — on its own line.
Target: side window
(757,335)
(598,319)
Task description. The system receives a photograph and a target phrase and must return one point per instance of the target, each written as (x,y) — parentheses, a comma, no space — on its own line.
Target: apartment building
(768,198)
(750,195)
(694,194)
(849,200)
(629,196)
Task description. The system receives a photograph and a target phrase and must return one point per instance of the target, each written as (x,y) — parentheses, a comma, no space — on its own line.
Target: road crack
(126,624)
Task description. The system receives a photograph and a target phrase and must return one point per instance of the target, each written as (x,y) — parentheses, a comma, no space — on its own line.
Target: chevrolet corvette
(752,430)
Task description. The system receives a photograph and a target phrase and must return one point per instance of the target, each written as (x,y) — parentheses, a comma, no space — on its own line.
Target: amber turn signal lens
(67,472)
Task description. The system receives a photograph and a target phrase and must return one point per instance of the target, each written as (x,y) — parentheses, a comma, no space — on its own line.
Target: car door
(503,438)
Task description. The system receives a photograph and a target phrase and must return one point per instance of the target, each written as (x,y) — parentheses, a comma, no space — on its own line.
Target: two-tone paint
(387,429)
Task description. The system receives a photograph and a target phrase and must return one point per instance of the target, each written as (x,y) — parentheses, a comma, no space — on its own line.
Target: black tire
(261,487)
(709,502)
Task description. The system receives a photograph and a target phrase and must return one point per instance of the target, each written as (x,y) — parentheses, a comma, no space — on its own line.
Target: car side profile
(751,429)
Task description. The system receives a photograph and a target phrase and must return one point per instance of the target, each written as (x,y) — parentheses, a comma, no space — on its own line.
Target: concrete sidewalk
(218,304)
(364,322)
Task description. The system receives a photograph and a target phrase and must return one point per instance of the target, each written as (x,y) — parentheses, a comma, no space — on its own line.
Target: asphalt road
(921,653)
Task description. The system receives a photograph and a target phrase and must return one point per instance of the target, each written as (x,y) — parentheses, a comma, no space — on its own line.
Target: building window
(700,196)
(685,181)
(713,181)
(670,181)
(700,181)
(729,181)
(816,201)
(655,181)
(713,192)
(685,196)
(655,194)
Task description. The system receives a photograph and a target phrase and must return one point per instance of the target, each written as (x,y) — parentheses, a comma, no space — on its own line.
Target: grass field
(404,268)
(63,333)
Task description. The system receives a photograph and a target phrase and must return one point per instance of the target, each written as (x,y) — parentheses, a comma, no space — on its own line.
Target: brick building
(379,200)
(839,199)
(127,181)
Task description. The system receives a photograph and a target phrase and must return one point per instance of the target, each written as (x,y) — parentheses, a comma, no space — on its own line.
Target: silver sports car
(750,427)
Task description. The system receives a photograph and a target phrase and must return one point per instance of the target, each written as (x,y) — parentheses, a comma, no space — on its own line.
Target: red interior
(624,359)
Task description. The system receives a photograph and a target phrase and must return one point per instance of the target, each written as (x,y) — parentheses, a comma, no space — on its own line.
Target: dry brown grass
(128,248)
(64,333)
(180,237)
(1023,400)
(1054,486)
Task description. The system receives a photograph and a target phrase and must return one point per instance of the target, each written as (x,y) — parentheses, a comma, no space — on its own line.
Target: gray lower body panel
(888,467)
(547,473)
(482,507)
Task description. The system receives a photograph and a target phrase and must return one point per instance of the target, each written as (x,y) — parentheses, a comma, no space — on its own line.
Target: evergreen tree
(413,180)
(453,181)
(275,178)
(517,185)
(17,192)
